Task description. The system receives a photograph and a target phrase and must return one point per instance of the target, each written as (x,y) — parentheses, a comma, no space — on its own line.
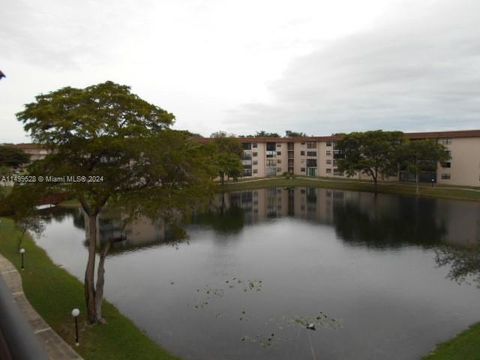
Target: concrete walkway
(55,346)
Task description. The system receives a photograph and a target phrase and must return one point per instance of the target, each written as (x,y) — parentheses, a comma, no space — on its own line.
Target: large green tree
(373,153)
(421,155)
(114,147)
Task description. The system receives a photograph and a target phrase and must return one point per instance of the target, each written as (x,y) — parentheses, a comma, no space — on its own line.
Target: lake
(377,276)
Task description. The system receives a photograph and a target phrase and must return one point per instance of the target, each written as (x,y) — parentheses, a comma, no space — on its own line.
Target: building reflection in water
(123,234)
(359,218)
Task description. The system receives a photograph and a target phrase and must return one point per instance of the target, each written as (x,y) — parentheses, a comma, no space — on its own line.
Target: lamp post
(22,255)
(75,313)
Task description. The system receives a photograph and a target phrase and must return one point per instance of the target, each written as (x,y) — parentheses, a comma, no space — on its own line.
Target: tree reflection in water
(464,262)
(405,222)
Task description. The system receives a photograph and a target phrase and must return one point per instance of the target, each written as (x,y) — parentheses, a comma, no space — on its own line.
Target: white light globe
(75,312)
(22,251)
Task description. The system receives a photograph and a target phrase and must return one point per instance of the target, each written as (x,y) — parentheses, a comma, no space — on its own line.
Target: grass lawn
(465,346)
(445,192)
(54,293)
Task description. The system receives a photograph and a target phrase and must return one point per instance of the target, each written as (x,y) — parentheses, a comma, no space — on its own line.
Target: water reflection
(463,263)
(381,265)
(382,221)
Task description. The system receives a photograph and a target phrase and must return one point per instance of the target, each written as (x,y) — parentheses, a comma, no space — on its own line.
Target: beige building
(36,152)
(317,156)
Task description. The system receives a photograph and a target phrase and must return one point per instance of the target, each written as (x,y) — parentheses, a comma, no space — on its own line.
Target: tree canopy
(109,145)
(290,133)
(227,152)
(421,155)
(266,134)
(372,152)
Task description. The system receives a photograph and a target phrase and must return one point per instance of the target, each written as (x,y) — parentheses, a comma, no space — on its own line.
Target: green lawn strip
(53,292)
(353,185)
(465,346)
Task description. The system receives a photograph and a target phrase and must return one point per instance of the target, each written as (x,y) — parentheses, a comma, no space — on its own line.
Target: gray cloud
(65,34)
(420,72)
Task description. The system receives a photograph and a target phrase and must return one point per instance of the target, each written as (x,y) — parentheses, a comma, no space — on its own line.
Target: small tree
(227,152)
(373,153)
(112,145)
(421,155)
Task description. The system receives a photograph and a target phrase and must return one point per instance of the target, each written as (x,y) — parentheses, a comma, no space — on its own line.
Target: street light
(75,313)
(22,254)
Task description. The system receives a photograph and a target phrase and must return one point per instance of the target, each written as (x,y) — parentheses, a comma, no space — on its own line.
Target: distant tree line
(265,134)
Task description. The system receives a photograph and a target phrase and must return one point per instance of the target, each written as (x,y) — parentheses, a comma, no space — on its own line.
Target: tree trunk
(100,283)
(222,178)
(416,182)
(222,209)
(90,271)
(417,170)
(375,181)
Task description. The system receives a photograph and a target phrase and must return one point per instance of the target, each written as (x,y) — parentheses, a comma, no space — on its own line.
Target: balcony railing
(17,341)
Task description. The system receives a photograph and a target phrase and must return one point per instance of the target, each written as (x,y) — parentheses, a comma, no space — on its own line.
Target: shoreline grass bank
(464,346)
(53,292)
(437,191)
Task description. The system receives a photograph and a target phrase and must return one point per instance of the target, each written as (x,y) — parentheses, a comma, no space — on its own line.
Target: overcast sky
(315,66)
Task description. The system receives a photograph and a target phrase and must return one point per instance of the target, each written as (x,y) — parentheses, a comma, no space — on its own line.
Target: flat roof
(336,137)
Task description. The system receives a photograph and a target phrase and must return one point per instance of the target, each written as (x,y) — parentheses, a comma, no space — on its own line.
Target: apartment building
(317,156)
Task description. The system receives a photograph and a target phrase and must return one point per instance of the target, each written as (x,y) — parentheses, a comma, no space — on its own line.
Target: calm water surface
(383,277)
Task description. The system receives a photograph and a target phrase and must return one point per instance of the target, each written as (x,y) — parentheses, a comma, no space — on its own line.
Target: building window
(445,141)
(247,146)
(255,154)
(311,145)
(279,169)
(302,153)
(329,143)
(279,145)
(255,171)
(279,161)
(254,145)
(279,153)
(270,146)
(328,153)
(329,171)
(445,176)
(311,153)
(255,162)
(302,169)
(446,164)
(329,162)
